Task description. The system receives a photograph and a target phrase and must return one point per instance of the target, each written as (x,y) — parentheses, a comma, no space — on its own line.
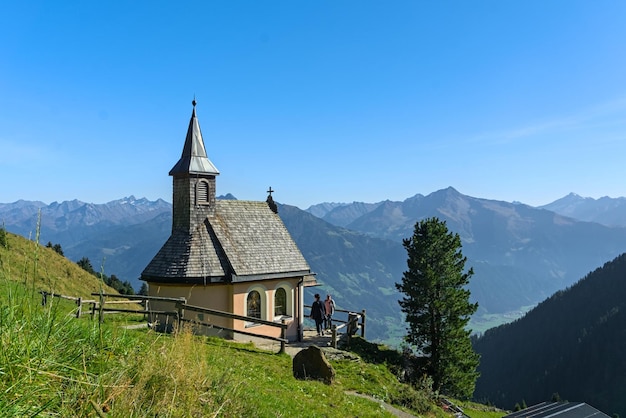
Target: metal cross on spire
(270,201)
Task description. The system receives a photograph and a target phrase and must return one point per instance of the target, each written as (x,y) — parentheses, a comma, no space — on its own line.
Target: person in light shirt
(329,306)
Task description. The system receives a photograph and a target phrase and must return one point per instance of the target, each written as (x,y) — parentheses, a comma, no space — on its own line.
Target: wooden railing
(143,300)
(350,326)
(104,305)
(179,307)
(78,300)
(282,325)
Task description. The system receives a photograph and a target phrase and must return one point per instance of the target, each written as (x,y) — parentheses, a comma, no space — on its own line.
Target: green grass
(54,365)
(41,268)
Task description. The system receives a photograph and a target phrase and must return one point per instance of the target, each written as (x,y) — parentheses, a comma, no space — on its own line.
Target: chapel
(229,255)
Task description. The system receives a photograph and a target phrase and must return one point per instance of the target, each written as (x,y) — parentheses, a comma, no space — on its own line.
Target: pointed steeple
(194,159)
(193,191)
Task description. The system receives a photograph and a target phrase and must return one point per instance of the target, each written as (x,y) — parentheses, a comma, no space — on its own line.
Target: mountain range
(605,210)
(520,254)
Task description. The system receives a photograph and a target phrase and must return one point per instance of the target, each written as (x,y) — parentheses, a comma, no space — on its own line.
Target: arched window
(202,192)
(254,304)
(280,302)
(283,301)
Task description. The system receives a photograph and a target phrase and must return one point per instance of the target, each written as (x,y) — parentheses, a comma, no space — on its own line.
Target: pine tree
(57,248)
(85,264)
(3,237)
(437,308)
(143,291)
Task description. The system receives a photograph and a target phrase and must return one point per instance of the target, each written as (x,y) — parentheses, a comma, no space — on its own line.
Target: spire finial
(193,102)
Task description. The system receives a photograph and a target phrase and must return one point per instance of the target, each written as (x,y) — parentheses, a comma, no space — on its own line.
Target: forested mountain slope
(573,344)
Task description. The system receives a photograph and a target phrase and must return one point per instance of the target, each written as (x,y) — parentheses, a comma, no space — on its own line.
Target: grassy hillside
(41,268)
(53,364)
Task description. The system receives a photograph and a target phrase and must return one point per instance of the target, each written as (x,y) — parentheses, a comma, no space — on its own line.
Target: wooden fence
(349,326)
(103,305)
(99,306)
(109,303)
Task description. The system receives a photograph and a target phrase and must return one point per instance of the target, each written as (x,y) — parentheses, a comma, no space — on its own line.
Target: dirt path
(293,348)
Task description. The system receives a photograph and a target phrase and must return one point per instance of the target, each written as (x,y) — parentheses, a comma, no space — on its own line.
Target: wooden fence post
(334,335)
(79,302)
(353,322)
(363,324)
(93,309)
(180,308)
(283,335)
(44,298)
(146,308)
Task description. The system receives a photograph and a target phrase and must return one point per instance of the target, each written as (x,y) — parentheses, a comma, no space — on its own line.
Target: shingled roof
(240,241)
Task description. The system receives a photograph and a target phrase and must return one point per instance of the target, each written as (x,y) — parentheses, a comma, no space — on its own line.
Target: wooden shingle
(241,240)
(255,239)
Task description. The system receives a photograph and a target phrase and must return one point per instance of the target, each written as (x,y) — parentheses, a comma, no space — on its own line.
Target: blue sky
(323,101)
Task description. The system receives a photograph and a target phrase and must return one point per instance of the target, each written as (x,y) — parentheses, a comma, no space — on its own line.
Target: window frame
(262,301)
(203,186)
(288,302)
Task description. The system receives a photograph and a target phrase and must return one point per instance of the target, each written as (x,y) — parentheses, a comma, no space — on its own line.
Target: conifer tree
(437,308)
(3,237)
(85,264)
(57,248)
(143,291)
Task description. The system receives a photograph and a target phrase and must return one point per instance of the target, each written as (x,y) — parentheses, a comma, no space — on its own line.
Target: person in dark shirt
(318,313)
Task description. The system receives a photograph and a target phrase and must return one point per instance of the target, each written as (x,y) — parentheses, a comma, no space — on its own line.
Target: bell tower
(194,181)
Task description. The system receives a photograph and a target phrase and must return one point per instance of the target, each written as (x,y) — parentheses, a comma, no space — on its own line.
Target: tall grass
(49,362)
(54,365)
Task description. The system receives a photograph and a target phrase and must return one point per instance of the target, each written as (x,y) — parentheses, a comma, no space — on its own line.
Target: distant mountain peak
(227,196)
(605,210)
(575,197)
(448,191)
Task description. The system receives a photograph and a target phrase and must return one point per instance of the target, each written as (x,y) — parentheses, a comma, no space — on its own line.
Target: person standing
(318,313)
(329,307)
